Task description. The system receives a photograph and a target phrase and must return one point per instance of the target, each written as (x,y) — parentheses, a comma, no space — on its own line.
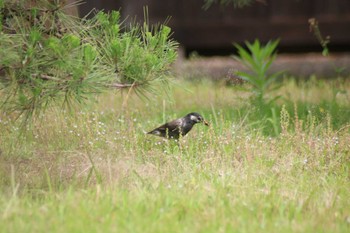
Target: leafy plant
(258,60)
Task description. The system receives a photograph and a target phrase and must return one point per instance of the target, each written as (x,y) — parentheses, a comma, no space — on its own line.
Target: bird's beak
(206,122)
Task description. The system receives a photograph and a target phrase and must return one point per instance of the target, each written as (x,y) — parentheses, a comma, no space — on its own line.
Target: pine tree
(49,58)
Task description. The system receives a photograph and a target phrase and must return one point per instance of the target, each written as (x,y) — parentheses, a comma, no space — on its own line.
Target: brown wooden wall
(219,26)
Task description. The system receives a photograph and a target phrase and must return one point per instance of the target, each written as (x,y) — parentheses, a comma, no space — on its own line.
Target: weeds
(317,33)
(98,171)
(258,59)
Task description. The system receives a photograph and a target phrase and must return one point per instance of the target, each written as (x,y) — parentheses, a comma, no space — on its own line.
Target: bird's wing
(174,125)
(162,129)
(172,128)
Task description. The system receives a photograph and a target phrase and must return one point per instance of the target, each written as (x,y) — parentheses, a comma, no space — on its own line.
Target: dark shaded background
(212,31)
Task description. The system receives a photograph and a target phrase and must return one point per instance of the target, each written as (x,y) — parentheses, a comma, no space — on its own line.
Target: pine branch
(49,58)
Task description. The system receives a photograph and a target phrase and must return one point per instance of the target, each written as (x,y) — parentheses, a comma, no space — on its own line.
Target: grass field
(283,167)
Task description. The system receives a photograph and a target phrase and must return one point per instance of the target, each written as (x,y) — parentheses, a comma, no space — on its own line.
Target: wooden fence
(216,28)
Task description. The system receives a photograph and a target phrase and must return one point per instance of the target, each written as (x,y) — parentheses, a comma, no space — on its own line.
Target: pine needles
(51,59)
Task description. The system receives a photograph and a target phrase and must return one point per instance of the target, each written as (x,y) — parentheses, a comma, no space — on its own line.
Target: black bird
(181,126)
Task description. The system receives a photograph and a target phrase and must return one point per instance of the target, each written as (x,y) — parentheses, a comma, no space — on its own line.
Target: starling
(181,126)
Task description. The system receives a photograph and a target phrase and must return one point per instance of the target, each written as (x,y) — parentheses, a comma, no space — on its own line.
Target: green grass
(283,167)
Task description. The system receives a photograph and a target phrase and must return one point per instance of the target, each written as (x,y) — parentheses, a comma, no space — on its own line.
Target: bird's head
(197,118)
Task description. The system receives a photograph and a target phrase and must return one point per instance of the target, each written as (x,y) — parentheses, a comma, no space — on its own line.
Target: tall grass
(281,169)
